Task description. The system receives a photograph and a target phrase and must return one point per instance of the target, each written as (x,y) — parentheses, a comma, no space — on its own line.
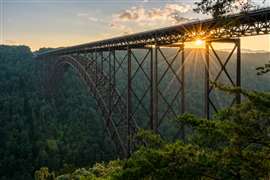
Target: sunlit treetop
(218,8)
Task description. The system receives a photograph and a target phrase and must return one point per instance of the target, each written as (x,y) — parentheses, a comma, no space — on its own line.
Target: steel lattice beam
(244,24)
(210,83)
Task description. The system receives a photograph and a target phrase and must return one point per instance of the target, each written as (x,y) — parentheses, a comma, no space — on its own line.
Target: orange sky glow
(62,23)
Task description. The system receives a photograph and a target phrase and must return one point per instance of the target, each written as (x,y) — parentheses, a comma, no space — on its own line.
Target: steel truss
(131,86)
(169,84)
(210,82)
(129,76)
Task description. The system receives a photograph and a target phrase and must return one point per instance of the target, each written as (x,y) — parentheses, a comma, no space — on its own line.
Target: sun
(199,42)
(196,44)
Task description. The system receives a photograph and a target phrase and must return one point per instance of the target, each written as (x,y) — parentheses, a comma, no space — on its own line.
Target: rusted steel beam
(258,23)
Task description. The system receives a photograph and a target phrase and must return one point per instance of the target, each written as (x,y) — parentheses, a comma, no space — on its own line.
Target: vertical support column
(96,75)
(155,89)
(238,69)
(96,71)
(151,92)
(102,62)
(207,79)
(110,88)
(129,106)
(91,56)
(114,69)
(183,100)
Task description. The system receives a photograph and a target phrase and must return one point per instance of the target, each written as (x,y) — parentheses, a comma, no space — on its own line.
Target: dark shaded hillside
(62,131)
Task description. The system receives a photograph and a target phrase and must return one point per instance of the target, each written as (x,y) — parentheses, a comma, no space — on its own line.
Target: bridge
(137,85)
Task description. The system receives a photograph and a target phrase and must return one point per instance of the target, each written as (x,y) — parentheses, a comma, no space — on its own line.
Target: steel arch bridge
(139,80)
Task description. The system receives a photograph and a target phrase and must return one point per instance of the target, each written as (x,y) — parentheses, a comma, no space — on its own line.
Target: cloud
(140,18)
(93,19)
(170,13)
(88,17)
(122,28)
(82,14)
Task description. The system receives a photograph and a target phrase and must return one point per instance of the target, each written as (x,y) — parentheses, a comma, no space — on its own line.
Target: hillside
(60,131)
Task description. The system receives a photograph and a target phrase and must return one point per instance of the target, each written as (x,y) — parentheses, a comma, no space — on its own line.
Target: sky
(61,23)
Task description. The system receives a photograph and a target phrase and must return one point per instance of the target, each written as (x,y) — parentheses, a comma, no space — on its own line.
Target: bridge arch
(82,66)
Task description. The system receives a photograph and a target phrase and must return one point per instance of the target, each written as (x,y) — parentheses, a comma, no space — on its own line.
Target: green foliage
(149,138)
(107,171)
(37,131)
(235,144)
(218,8)
(263,69)
(100,171)
(43,174)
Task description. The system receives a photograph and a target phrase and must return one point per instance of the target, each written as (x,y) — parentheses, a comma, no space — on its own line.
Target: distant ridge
(246,51)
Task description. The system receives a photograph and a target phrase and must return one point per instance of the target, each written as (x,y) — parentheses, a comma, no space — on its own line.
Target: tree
(263,69)
(235,144)
(217,8)
(43,174)
(37,131)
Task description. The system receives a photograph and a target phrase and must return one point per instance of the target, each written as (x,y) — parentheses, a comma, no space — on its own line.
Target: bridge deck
(251,23)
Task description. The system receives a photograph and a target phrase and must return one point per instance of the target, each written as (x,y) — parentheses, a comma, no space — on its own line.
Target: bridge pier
(140,101)
(129,102)
(173,79)
(210,83)
(154,74)
(96,69)
(110,99)
(154,63)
